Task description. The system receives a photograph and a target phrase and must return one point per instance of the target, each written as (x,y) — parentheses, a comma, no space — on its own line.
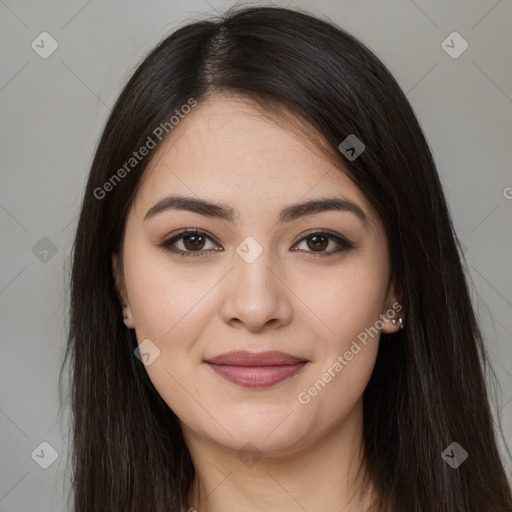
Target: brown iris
(193,241)
(318,242)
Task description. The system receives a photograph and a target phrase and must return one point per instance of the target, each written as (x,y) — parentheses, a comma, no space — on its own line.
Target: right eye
(192,240)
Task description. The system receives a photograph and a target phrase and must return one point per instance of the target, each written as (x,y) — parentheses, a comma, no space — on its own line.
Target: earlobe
(394,316)
(121,292)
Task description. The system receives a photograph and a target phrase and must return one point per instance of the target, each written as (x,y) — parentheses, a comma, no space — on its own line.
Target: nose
(256,295)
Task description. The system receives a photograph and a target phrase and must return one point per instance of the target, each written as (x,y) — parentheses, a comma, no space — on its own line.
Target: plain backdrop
(53,110)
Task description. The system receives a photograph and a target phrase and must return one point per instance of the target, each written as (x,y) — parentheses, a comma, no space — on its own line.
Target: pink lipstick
(256,369)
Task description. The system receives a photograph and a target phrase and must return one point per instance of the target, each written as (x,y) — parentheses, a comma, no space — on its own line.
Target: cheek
(346,303)
(165,298)
(347,357)
(168,308)
(349,308)
(332,396)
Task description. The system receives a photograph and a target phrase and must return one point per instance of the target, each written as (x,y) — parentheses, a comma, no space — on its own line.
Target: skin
(193,308)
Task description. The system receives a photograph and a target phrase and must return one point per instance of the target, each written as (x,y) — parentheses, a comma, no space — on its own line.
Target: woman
(268,305)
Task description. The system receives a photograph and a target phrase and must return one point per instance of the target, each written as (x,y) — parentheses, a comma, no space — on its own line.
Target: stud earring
(400,321)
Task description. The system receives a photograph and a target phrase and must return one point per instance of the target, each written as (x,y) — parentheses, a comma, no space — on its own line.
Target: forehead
(229,149)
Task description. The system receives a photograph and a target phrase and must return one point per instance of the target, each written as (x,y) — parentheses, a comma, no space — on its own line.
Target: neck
(323,475)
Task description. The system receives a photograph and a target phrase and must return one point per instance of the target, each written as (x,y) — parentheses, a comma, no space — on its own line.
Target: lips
(251,369)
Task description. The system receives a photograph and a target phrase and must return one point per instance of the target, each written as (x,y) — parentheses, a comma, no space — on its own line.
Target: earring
(400,321)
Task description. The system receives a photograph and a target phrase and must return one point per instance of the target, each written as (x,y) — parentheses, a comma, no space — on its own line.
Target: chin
(273,429)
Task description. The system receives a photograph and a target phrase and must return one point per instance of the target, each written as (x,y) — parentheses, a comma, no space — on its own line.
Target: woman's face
(260,279)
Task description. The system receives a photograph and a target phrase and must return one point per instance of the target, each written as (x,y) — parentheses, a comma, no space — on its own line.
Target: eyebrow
(225,212)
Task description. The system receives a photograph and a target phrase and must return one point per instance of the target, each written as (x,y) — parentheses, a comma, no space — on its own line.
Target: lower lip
(257,376)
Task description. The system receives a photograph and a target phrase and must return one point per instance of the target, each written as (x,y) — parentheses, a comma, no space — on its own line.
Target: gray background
(53,110)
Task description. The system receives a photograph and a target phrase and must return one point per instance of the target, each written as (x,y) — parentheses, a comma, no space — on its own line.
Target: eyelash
(166,244)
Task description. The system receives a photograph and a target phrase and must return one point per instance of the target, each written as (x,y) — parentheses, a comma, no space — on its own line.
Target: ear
(393,310)
(120,287)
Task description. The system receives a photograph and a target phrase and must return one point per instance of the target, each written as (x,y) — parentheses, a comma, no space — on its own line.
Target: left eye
(319,241)
(194,241)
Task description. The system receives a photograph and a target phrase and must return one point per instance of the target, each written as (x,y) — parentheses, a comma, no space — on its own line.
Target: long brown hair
(428,388)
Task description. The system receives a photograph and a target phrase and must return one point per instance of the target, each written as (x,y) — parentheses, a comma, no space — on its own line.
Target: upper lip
(245,358)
